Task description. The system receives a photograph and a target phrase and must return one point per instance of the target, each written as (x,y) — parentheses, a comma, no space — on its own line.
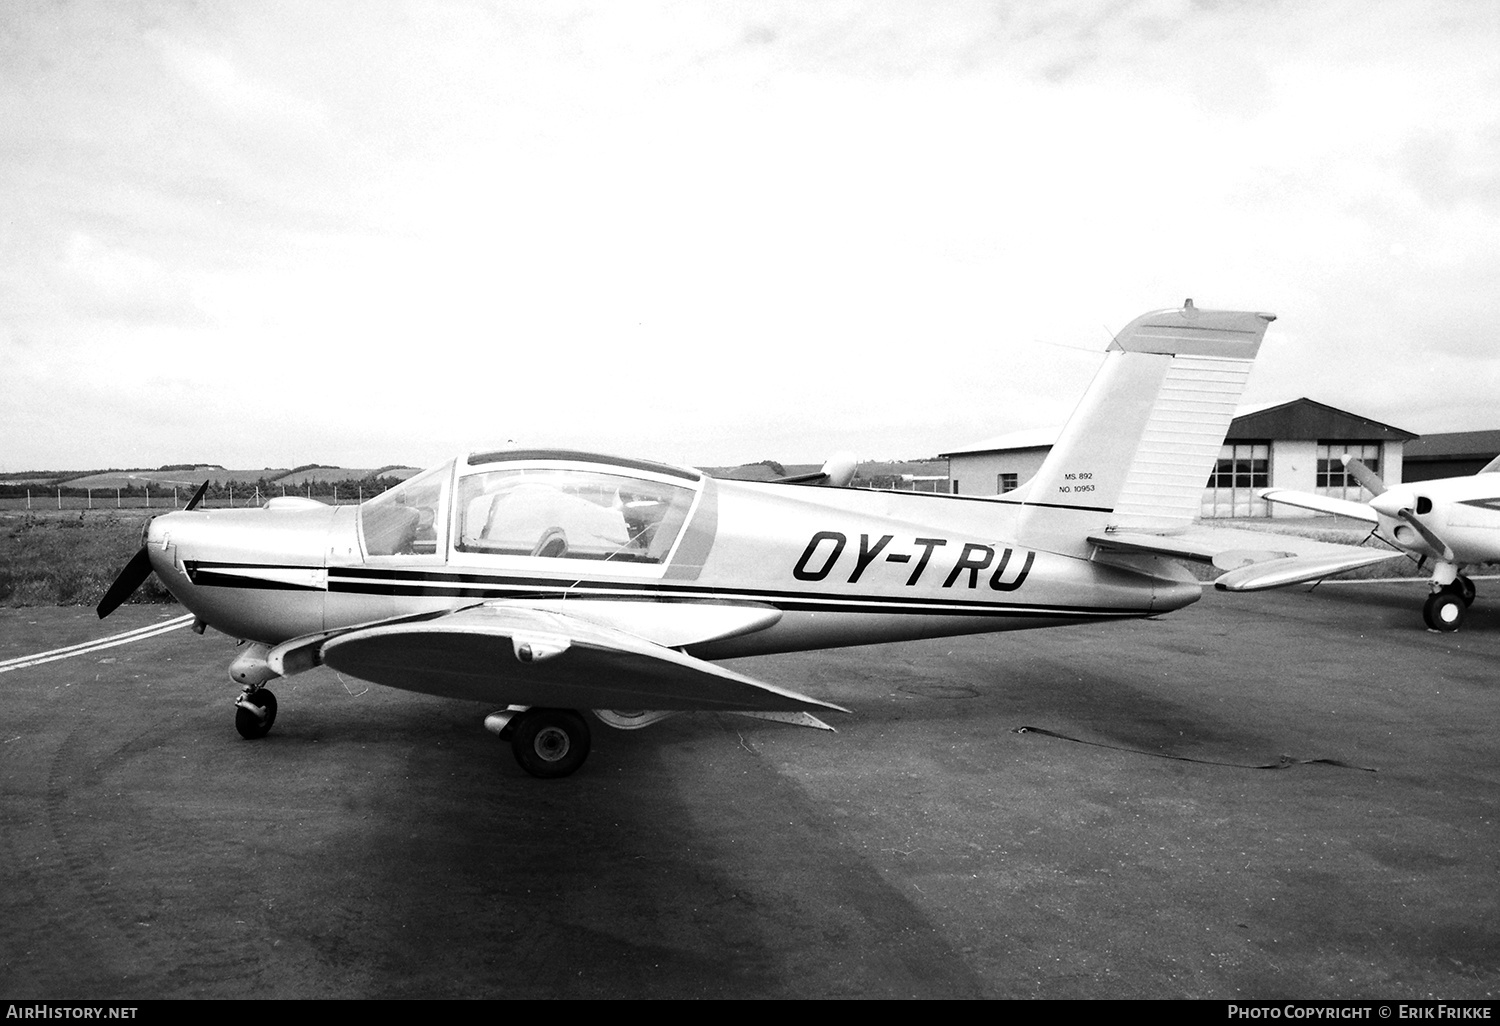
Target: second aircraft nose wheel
(549,743)
(1444,610)
(254,713)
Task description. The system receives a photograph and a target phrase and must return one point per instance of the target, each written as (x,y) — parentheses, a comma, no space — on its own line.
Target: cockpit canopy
(547,504)
(403,520)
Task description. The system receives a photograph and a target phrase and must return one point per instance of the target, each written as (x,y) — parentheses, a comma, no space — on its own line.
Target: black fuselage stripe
(429,584)
(209,579)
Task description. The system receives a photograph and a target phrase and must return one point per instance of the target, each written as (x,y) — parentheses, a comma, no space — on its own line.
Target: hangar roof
(1295,418)
(1309,419)
(1454,444)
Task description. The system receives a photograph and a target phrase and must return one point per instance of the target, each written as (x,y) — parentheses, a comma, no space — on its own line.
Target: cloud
(690,225)
(217,78)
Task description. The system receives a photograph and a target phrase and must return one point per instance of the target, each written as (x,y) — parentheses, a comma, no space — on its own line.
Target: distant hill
(331,475)
(273,480)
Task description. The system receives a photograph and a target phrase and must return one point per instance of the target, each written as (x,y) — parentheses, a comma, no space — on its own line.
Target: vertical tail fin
(1139,447)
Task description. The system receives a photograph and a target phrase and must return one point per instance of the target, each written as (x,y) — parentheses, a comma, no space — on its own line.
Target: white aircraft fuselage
(553,581)
(803,567)
(1463,513)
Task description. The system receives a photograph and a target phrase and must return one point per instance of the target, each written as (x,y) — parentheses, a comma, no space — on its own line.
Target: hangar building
(1452,454)
(1295,444)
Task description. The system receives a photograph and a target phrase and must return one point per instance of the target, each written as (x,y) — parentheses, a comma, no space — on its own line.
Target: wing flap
(521,655)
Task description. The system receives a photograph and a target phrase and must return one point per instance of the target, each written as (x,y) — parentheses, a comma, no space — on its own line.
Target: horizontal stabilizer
(1280,573)
(521,655)
(1227,548)
(1198,547)
(1321,504)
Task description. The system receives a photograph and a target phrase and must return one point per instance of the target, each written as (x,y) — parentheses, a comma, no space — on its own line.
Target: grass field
(52,558)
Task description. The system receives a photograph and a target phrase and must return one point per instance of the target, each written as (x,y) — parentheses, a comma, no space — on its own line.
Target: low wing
(672,626)
(1321,504)
(525,655)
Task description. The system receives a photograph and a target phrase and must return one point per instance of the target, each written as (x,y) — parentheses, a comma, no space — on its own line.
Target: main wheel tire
(550,743)
(1444,611)
(251,726)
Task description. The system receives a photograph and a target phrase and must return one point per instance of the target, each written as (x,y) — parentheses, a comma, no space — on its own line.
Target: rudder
(1139,447)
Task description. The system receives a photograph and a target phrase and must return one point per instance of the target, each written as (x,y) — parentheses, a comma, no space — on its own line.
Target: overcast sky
(266,234)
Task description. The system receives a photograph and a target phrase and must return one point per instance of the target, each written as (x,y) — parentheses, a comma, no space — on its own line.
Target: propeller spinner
(138,569)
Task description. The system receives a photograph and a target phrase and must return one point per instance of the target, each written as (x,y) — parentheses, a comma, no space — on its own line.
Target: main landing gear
(1446,608)
(254,712)
(547,743)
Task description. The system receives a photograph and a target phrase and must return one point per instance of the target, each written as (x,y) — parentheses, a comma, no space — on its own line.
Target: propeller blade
(135,572)
(197,496)
(1363,474)
(1437,544)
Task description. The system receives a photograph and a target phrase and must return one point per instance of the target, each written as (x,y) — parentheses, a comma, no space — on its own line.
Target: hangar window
(1241,469)
(1006,483)
(567,513)
(1334,479)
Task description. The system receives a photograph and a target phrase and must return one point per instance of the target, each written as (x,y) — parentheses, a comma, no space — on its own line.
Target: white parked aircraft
(1454,522)
(554,582)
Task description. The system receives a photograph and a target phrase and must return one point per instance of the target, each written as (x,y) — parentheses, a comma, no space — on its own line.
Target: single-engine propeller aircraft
(555,582)
(1454,521)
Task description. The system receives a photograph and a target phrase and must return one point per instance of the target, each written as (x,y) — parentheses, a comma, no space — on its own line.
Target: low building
(1295,444)
(1451,454)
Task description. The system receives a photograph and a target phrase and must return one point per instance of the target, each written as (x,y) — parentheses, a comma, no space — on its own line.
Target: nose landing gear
(254,712)
(1446,608)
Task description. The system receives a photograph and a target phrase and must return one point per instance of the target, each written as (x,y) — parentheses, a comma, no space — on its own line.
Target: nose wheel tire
(550,743)
(251,724)
(1444,611)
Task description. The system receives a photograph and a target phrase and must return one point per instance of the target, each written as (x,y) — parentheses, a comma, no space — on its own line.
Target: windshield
(570,513)
(404,519)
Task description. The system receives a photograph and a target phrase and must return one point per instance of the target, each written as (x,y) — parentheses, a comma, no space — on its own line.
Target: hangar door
(1242,468)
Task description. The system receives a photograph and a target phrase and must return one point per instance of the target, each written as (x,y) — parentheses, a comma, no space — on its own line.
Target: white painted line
(1399,580)
(84,648)
(150,628)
